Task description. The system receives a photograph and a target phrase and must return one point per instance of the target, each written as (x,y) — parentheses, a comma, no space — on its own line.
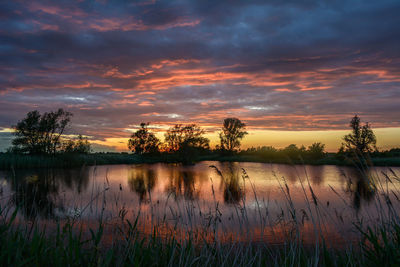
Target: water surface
(232,198)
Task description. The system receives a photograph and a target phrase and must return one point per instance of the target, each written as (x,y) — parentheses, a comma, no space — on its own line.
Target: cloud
(285,65)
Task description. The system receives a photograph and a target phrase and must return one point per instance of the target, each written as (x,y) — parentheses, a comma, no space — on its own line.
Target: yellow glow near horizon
(387,138)
(6,130)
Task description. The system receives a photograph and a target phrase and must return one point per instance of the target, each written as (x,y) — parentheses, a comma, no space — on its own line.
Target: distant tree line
(292,152)
(45,134)
(186,141)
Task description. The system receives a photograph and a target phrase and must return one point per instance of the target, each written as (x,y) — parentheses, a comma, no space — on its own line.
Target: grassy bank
(330,159)
(17,161)
(74,242)
(22,247)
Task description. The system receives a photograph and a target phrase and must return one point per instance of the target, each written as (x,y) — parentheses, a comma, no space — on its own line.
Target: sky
(294,71)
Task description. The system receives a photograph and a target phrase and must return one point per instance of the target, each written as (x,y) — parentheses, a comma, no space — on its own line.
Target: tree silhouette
(362,139)
(186,141)
(81,146)
(40,134)
(181,138)
(316,151)
(233,131)
(293,152)
(143,141)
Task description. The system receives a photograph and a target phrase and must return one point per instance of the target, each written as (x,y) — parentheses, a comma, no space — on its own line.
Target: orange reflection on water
(229,201)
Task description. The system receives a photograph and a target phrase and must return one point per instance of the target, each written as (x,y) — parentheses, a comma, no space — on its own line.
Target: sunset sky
(293,71)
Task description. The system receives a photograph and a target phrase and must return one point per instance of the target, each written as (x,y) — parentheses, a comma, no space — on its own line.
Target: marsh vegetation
(41,141)
(188,211)
(207,214)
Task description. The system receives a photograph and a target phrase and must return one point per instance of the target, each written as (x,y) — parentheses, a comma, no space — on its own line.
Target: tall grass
(186,235)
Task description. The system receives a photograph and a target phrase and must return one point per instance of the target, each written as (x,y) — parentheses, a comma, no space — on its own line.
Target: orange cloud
(86,85)
(131,24)
(305,88)
(283,90)
(78,17)
(145,104)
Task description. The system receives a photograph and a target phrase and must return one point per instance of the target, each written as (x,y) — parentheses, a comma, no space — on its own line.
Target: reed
(185,235)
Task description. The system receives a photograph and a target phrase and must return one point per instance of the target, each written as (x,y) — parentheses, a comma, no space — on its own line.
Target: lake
(247,201)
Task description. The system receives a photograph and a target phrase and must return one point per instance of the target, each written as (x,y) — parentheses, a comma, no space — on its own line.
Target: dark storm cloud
(117,63)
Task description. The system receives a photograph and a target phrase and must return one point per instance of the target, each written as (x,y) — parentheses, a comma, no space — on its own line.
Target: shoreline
(15,161)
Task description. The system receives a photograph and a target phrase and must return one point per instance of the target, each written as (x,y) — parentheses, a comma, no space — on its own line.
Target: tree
(362,139)
(186,141)
(80,146)
(294,152)
(316,151)
(142,141)
(233,131)
(40,134)
(181,137)
(174,138)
